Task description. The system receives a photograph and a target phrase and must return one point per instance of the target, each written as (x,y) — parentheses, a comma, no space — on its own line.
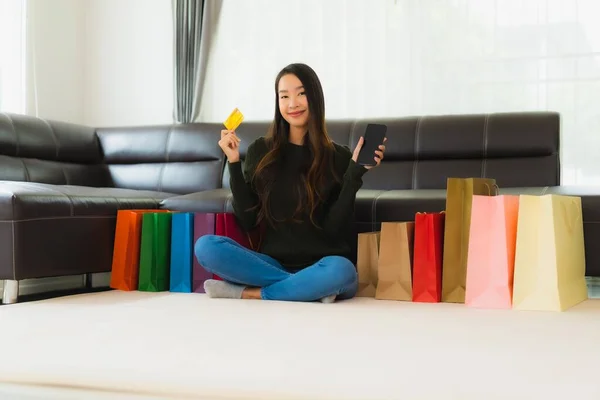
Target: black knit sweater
(297,245)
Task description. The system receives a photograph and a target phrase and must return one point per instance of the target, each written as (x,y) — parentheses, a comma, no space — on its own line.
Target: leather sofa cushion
(27,200)
(219,200)
(209,201)
(375,206)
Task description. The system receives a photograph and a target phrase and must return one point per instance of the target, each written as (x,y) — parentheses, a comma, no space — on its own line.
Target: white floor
(188,346)
(11,391)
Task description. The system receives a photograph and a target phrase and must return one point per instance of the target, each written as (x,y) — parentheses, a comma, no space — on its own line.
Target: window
(393,58)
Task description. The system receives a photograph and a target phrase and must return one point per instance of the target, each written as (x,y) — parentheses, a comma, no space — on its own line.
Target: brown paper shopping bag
(459,197)
(366,263)
(550,256)
(394,281)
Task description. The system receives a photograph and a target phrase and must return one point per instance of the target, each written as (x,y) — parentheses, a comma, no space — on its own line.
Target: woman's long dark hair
(319,143)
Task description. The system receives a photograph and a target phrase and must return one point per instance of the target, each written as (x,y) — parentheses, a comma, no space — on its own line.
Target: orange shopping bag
(126,252)
(491,254)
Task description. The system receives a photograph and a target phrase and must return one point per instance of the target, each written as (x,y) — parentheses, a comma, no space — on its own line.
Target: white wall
(101,62)
(12,39)
(55,44)
(128,62)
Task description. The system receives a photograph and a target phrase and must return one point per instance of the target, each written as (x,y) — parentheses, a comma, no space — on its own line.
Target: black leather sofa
(62,184)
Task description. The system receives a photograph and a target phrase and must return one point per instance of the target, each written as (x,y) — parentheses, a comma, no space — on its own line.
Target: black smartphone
(374,136)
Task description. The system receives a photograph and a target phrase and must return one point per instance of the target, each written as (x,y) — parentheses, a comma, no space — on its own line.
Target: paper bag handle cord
(497,191)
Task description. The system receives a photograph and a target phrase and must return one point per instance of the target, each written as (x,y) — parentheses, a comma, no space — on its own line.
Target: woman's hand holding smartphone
(371,147)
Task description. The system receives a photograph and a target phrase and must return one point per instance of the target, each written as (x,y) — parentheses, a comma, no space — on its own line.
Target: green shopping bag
(155,252)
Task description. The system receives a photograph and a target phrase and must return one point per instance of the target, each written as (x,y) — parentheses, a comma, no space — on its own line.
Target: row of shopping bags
(154,249)
(402,261)
(486,250)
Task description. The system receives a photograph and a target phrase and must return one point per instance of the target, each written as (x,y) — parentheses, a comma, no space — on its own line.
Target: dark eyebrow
(285,91)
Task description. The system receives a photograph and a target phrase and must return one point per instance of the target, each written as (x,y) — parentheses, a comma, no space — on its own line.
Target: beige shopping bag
(550,256)
(366,263)
(459,198)
(394,271)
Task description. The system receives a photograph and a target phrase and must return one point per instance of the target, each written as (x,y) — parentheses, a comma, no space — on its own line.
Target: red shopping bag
(428,257)
(227,225)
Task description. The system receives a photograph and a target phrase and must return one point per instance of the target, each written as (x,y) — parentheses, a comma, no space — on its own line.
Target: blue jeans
(333,275)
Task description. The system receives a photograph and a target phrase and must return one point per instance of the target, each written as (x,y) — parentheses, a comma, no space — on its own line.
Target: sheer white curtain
(379,58)
(12,56)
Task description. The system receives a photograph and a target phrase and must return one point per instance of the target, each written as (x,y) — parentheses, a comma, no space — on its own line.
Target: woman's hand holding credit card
(230,143)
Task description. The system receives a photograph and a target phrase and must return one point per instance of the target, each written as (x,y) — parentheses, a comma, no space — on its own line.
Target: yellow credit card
(234,120)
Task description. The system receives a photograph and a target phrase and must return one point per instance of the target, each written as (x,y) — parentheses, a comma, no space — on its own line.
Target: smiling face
(293,102)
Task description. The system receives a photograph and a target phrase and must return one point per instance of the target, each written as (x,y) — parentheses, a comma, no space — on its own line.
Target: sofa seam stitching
(26,170)
(57,144)
(162,170)
(416,153)
(71,205)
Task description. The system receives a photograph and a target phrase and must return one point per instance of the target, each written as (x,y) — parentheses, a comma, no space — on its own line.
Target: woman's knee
(340,269)
(206,247)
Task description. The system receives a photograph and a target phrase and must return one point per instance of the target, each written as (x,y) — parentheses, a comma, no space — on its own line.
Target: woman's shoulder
(257,148)
(342,152)
(341,158)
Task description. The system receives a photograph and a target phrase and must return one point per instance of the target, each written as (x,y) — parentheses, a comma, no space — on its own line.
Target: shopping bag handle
(423,212)
(497,191)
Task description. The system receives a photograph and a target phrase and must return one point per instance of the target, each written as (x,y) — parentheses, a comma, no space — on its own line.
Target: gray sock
(328,299)
(223,290)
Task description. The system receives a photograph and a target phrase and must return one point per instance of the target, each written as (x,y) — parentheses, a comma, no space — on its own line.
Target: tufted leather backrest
(518,149)
(37,150)
(171,158)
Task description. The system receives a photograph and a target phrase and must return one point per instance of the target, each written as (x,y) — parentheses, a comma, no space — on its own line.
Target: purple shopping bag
(204,224)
